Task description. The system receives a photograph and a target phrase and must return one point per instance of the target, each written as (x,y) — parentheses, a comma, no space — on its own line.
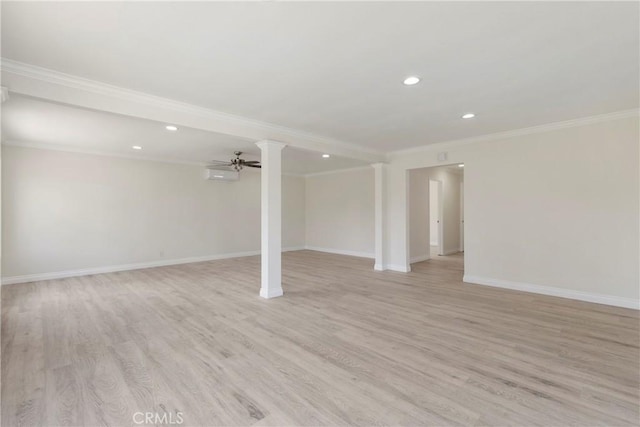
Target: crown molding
(78,150)
(331,172)
(378,165)
(518,132)
(72,149)
(269,143)
(45,83)
(56,86)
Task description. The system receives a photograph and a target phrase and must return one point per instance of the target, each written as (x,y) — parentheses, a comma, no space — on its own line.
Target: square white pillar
(380,195)
(271,214)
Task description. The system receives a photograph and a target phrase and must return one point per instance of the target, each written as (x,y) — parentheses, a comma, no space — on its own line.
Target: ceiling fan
(236,164)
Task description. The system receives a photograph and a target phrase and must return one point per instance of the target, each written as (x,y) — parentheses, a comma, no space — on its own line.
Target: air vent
(221,175)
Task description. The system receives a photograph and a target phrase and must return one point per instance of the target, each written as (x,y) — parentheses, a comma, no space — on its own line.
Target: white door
(435,214)
(462,216)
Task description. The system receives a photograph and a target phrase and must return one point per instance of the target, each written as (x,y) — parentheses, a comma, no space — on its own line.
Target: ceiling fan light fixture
(237,164)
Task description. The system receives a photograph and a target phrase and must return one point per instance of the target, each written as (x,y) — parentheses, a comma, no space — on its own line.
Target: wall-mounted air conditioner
(221,175)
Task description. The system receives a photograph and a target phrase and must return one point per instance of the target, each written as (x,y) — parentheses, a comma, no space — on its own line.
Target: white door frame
(440,220)
(461,216)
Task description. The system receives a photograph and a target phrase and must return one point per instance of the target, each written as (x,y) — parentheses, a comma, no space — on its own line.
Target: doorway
(436,212)
(462,216)
(435,217)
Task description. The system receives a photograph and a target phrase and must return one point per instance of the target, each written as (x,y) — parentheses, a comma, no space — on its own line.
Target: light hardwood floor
(345,345)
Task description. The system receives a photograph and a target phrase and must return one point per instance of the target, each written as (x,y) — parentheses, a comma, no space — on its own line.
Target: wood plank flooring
(344,346)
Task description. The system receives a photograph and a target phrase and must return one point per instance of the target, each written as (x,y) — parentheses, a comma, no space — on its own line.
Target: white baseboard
(341,252)
(271,293)
(419,258)
(392,267)
(449,252)
(556,292)
(377,267)
(125,267)
(400,268)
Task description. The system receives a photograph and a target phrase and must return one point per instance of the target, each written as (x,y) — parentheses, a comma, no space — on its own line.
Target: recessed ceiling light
(326,156)
(409,81)
(461,165)
(137,147)
(171,128)
(468,116)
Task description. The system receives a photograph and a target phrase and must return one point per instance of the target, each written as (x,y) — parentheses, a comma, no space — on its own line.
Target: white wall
(450,206)
(553,211)
(420,215)
(340,212)
(434,213)
(68,211)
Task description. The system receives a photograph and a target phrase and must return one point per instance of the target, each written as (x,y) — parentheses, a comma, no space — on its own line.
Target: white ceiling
(336,68)
(32,122)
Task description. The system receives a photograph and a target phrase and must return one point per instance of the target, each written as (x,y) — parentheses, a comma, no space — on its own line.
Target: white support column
(271,208)
(380,196)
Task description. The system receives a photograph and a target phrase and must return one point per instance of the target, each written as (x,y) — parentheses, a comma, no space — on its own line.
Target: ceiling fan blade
(218,165)
(248,162)
(253,166)
(223,162)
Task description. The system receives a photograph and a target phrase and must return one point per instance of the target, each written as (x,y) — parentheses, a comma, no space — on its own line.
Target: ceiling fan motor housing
(236,164)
